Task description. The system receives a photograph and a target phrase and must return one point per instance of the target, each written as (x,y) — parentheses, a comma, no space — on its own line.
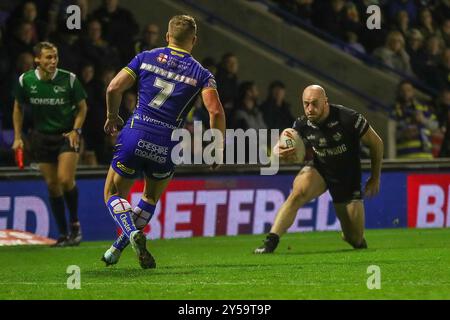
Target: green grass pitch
(414,264)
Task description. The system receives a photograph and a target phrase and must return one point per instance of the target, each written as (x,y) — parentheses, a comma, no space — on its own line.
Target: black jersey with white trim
(335,141)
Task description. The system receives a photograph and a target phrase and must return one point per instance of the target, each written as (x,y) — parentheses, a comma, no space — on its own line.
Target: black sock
(72,204)
(58,209)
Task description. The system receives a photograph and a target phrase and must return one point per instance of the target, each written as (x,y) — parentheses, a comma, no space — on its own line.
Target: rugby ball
(289,138)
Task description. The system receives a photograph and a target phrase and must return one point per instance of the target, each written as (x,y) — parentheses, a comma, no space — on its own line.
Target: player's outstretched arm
(17,123)
(216,114)
(121,82)
(372,140)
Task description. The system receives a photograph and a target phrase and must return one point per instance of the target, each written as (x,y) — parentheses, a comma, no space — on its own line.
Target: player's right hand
(286,153)
(18,143)
(112,125)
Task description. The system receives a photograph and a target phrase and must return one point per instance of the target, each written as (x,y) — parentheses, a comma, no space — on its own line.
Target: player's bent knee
(299,197)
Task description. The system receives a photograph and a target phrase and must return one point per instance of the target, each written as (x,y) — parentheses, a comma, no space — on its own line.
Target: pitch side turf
(414,264)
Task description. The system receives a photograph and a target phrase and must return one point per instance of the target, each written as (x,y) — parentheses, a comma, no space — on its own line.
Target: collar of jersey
(36,72)
(178,49)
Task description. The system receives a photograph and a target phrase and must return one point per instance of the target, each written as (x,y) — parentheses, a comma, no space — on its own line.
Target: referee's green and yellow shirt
(53,102)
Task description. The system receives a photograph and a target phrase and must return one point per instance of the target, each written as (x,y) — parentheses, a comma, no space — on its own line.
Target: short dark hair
(37,49)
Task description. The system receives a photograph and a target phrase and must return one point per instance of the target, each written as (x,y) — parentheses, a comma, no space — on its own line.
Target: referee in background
(58,105)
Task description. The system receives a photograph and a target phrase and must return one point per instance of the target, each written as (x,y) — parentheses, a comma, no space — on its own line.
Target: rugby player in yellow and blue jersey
(169,81)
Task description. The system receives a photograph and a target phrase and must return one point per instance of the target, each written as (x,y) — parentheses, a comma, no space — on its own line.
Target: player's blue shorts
(140,151)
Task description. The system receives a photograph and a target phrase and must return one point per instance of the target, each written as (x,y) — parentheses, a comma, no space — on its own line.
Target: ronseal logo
(48,101)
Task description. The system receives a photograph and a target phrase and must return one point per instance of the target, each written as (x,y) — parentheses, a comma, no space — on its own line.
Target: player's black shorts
(342,189)
(47,147)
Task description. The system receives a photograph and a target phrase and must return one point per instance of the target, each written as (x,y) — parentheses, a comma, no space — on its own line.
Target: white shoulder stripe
(21,80)
(72,79)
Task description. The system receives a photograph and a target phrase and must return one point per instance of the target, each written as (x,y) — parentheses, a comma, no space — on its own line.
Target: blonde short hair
(37,49)
(182,28)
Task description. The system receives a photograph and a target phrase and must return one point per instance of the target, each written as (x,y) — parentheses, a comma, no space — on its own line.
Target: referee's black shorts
(47,147)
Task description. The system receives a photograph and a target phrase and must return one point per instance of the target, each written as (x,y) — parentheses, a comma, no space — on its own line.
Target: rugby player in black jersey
(334,132)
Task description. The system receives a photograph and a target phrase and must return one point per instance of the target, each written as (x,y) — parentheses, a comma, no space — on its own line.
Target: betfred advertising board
(229,205)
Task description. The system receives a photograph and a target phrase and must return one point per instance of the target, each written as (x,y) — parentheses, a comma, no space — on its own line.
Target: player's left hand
(112,125)
(372,187)
(74,139)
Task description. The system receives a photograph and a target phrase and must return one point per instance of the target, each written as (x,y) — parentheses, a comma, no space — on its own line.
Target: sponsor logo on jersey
(168,74)
(34,89)
(172,63)
(150,155)
(162,58)
(322,142)
(175,63)
(332,124)
(331,151)
(48,101)
(154,121)
(153,147)
(124,168)
(58,89)
(337,136)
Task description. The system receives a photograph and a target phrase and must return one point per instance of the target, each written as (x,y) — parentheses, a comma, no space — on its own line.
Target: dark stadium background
(286,44)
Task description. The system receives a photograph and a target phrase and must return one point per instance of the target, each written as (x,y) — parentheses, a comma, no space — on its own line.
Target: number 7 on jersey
(165,92)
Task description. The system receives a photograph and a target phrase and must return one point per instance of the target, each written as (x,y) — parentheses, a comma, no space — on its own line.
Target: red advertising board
(428,200)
